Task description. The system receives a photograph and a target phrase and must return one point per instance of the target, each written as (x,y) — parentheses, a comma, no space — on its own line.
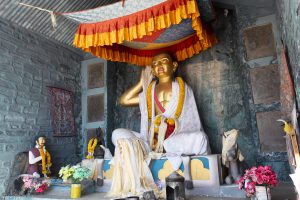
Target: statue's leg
(234,171)
(187,172)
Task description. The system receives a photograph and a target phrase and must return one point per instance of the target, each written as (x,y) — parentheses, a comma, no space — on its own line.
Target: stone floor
(101,196)
(285,191)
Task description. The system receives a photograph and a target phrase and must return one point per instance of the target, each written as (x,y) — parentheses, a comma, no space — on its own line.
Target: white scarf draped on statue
(188,124)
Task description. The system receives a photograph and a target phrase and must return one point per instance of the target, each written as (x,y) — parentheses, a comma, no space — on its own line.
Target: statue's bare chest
(164,95)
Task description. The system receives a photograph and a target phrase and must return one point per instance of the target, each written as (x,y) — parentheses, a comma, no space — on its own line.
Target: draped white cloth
(132,175)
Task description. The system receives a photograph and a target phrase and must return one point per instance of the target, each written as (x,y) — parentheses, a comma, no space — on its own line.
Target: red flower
(42,188)
(39,190)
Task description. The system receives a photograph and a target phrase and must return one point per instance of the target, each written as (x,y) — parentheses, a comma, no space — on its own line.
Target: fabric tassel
(53,20)
(52,15)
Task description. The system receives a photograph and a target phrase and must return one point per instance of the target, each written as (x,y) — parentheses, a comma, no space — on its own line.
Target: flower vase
(262,193)
(75,191)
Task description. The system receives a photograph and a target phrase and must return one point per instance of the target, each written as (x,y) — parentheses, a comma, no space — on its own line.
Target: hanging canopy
(140,29)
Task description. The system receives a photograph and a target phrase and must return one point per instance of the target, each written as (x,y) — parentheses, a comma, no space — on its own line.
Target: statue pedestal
(205,171)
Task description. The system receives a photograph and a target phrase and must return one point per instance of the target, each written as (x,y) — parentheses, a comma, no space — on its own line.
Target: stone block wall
(288,14)
(217,82)
(28,64)
(126,117)
(256,24)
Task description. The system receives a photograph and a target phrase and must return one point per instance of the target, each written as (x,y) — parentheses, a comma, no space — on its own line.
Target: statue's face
(163,66)
(41,142)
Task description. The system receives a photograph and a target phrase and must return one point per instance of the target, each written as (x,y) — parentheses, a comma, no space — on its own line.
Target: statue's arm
(32,159)
(131,96)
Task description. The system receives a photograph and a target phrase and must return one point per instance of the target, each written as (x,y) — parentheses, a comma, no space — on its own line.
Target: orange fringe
(91,35)
(103,39)
(181,51)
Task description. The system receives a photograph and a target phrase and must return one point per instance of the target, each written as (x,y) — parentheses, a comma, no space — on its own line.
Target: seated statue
(39,158)
(170,122)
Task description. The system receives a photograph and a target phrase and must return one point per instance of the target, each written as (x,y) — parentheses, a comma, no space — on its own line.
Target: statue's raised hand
(146,77)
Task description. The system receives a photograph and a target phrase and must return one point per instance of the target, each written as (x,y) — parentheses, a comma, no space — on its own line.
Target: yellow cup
(75,191)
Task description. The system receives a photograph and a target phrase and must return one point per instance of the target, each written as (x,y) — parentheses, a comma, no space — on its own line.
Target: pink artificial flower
(261,175)
(250,185)
(274,183)
(259,179)
(27,182)
(268,168)
(250,189)
(265,179)
(241,184)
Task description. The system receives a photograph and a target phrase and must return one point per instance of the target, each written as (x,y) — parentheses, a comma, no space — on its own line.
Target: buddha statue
(99,152)
(39,158)
(170,123)
(94,146)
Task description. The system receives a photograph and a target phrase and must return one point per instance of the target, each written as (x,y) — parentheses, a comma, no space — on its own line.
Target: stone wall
(127,117)
(28,64)
(217,82)
(253,138)
(288,13)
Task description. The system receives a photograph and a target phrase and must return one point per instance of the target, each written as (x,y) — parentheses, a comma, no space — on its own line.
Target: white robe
(189,137)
